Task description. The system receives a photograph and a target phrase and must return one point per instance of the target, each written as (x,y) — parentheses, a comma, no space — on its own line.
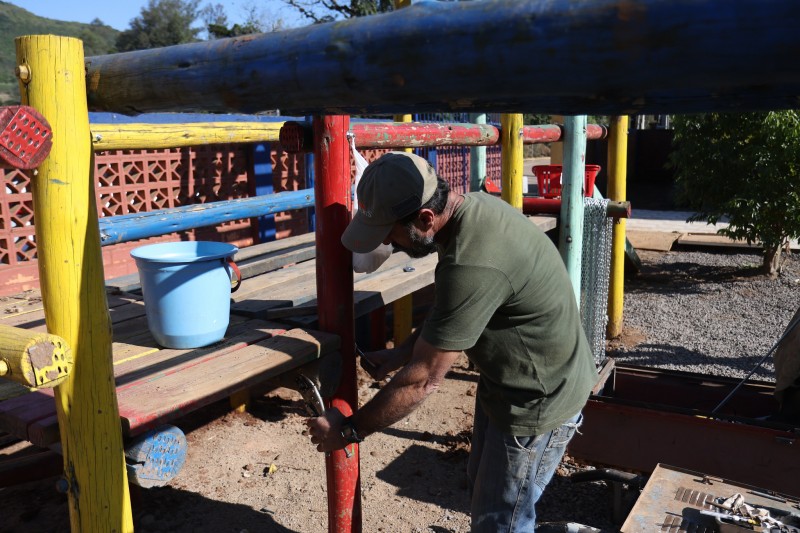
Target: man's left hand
(326,431)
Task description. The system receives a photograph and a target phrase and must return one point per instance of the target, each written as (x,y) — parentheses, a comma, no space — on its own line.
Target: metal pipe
(335,304)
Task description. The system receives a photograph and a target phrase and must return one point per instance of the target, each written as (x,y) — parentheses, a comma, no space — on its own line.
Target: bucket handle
(238,273)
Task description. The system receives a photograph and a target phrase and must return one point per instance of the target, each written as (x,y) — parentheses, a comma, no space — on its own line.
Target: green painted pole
(477,158)
(570,239)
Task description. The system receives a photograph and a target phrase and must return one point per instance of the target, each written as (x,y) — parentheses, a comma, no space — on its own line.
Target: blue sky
(119,13)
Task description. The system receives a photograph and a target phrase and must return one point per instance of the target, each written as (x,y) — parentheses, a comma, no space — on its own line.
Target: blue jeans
(508,474)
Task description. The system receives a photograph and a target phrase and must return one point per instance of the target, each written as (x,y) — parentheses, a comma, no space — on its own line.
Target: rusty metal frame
(638,417)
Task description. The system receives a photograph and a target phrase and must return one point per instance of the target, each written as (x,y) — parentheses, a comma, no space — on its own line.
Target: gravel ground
(706,312)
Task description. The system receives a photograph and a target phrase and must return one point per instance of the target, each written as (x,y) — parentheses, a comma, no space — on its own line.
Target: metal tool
(311,396)
(364,358)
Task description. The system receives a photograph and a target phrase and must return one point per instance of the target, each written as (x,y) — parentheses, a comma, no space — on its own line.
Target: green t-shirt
(503,295)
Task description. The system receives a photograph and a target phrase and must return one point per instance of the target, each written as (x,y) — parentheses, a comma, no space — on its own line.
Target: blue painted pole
(570,236)
(308,159)
(263,175)
(124,228)
(603,57)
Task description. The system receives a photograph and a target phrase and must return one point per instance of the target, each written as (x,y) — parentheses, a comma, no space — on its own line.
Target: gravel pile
(706,312)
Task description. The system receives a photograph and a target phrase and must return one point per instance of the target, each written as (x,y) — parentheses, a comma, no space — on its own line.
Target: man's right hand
(380,363)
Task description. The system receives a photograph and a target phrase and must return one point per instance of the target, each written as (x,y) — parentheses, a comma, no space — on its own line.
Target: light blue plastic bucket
(187,291)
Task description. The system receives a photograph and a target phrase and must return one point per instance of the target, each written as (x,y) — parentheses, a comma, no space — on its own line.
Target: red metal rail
(298,137)
(335,304)
(536,206)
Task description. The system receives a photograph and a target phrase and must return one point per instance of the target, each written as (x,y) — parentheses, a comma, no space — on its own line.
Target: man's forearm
(396,400)
(407,389)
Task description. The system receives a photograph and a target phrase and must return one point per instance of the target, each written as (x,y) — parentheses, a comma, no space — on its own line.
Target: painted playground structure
(712,55)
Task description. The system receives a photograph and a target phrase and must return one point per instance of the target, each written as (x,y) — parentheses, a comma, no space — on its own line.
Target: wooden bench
(156,385)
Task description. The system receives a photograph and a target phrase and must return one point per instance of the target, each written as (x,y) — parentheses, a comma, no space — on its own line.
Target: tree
(745,167)
(161,23)
(319,11)
(216,21)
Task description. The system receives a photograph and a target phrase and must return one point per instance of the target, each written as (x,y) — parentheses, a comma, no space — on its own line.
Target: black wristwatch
(349,432)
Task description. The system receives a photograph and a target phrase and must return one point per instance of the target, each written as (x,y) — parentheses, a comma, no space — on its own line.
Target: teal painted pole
(477,157)
(570,239)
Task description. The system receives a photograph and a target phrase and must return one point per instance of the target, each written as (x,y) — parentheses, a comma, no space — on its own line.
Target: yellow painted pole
(617,175)
(511,160)
(142,136)
(403,306)
(53,81)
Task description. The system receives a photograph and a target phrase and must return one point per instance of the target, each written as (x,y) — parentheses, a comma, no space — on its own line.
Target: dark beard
(420,246)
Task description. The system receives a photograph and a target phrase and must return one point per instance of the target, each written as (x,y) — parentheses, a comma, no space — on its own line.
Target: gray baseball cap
(391,188)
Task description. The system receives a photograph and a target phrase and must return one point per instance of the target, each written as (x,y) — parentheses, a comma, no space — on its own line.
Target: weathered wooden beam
(32,358)
(567,57)
(148,136)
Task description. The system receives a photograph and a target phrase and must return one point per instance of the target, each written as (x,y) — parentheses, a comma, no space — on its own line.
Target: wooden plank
(152,403)
(307,239)
(19,302)
(126,283)
(544,222)
(44,432)
(32,317)
(260,285)
(18,414)
(391,285)
(374,290)
(275,261)
(42,424)
(252,261)
(165,361)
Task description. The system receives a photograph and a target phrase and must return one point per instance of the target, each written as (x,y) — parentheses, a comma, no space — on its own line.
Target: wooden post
(477,158)
(71,276)
(511,146)
(617,177)
(404,306)
(335,304)
(570,235)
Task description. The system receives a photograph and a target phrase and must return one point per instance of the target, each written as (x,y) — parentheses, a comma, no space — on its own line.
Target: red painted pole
(537,206)
(296,137)
(412,134)
(335,301)
(549,133)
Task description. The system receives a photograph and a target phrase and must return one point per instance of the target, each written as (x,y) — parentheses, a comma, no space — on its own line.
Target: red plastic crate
(549,180)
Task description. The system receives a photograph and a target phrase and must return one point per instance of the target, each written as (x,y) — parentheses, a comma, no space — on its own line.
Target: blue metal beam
(124,228)
(570,57)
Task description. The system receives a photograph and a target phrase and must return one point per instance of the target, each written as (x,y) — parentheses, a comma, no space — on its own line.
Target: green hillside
(97,39)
